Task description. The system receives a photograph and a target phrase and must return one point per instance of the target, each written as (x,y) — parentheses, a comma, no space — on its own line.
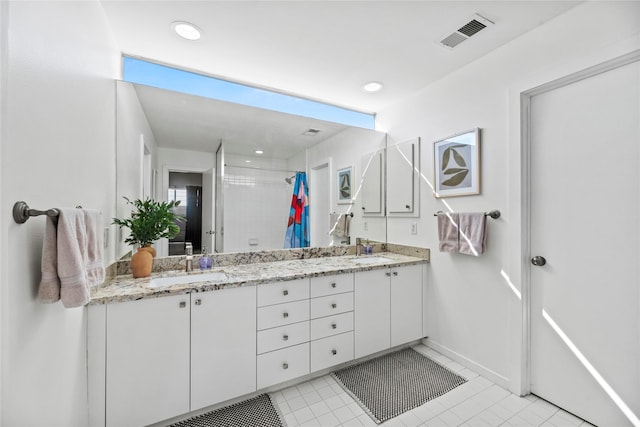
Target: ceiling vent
(476,24)
(311,132)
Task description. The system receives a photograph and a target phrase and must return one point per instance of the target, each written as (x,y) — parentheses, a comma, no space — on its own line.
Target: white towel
(71,257)
(339,225)
(448,232)
(473,233)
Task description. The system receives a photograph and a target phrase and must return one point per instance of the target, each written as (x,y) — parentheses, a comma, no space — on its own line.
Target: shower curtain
(297,235)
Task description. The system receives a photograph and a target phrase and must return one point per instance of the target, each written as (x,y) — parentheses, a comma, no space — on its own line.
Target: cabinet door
(147,360)
(223,345)
(403,178)
(371,192)
(406,304)
(372,312)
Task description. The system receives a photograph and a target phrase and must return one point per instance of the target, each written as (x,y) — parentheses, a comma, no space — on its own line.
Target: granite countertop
(126,288)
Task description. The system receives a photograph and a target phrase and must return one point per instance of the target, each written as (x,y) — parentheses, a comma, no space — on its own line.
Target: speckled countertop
(126,288)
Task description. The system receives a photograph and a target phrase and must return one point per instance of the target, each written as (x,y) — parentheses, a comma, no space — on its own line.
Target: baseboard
(493,376)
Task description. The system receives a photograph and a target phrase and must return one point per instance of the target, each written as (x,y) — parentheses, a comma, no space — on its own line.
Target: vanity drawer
(279,292)
(331,304)
(331,351)
(282,314)
(331,325)
(283,336)
(329,285)
(282,365)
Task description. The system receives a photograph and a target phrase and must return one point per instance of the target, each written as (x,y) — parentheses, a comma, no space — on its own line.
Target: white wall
(133,131)
(473,314)
(347,149)
(58,149)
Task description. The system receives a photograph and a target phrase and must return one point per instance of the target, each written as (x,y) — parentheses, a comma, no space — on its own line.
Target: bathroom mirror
(244,160)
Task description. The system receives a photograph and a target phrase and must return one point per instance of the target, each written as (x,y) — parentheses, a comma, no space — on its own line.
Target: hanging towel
(339,225)
(448,232)
(71,257)
(297,234)
(473,233)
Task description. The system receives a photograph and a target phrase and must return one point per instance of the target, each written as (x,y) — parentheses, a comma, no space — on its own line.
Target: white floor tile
(322,402)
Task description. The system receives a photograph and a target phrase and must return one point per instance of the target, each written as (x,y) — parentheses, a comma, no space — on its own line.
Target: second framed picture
(345,185)
(456,165)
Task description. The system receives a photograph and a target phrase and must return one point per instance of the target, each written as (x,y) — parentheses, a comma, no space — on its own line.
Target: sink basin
(371,260)
(162,282)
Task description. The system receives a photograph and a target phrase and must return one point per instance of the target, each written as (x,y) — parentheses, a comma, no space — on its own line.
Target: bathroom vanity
(174,343)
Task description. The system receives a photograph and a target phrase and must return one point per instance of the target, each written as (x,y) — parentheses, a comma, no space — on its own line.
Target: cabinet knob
(285,314)
(182,304)
(407,206)
(334,305)
(198,301)
(334,351)
(395,273)
(285,292)
(388,274)
(285,337)
(285,366)
(334,326)
(333,285)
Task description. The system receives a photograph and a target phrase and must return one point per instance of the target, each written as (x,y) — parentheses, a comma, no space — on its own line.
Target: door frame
(525,230)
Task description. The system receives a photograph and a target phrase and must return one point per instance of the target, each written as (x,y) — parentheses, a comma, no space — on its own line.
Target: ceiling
(323,50)
(186,122)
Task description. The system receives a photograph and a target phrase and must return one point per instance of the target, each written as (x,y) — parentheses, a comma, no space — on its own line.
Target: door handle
(210,232)
(538,261)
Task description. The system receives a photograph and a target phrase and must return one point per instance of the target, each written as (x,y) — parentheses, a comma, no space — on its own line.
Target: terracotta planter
(141,263)
(150,249)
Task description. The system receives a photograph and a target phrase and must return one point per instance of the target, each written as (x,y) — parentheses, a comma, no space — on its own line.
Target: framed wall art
(456,165)
(345,185)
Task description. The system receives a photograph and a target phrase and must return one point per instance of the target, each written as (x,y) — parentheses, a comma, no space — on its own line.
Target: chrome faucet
(188,247)
(359,246)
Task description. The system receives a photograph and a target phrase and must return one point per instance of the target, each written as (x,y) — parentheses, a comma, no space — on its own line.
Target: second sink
(161,282)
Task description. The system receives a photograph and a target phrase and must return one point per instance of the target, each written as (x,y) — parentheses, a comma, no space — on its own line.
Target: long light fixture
(186,30)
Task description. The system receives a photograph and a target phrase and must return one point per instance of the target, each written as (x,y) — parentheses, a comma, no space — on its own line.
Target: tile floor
(477,403)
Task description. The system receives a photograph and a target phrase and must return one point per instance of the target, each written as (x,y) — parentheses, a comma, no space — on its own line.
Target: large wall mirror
(233,167)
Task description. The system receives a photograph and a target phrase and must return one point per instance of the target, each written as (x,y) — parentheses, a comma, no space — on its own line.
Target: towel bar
(495,214)
(349,214)
(22,212)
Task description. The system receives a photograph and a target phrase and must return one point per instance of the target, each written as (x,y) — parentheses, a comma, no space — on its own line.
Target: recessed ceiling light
(247,161)
(259,152)
(186,30)
(372,87)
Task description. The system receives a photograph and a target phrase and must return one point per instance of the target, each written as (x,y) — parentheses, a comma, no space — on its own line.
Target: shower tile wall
(256,208)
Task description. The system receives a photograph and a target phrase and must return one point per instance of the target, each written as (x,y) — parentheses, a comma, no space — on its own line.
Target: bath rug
(257,411)
(392,384)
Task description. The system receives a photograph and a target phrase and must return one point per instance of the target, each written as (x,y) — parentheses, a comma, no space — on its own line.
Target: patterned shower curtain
(297,235)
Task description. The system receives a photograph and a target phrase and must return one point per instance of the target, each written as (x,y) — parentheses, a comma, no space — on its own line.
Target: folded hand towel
(473,233)
(71,257)
(49,290)
(448,232)
(339,225)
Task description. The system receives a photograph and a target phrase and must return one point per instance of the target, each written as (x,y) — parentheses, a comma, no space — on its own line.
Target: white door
(319,208)
(208,209)
(585,211)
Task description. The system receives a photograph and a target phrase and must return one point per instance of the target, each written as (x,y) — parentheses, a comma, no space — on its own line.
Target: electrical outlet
(366,226)
(414,228)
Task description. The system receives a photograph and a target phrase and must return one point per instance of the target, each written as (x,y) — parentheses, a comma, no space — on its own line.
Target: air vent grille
(471,28)
(474,25)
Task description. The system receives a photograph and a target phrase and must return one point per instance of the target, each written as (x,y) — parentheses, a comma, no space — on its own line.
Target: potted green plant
(150,221)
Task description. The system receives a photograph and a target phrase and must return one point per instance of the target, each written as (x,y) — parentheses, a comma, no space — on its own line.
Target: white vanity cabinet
(223,345)
(388,308)
(331,320)
(170,355)
(283,331)
(147,360)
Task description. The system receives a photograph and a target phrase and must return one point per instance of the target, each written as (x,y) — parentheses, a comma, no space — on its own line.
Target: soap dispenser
(205,260)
